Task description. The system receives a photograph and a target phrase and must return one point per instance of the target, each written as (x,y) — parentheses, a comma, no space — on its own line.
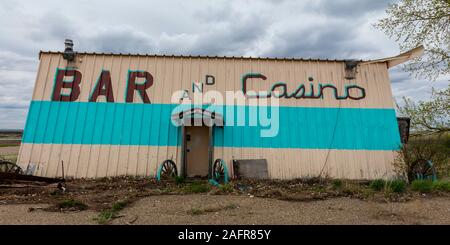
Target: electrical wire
(332,139)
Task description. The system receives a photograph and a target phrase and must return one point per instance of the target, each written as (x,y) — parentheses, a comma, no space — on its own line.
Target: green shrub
(337,183)
(105,216)
(428,185)
(71,203)
(179,180)
(377,185)
(227,188)
(422,185)
(397,185)
(441,185)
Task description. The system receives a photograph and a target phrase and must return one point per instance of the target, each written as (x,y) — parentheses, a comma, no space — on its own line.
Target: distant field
(10,138)
(9,153)
(10,144)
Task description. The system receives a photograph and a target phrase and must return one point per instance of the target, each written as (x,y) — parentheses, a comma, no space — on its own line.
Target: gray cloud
(288,28)
(119,39)
(335,39)
(351,9)
(52,25)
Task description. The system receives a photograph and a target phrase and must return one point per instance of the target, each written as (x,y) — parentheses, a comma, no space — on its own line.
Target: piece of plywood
(251,169)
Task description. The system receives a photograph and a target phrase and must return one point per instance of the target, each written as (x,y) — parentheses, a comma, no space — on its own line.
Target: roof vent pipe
(350,69)
(68,51)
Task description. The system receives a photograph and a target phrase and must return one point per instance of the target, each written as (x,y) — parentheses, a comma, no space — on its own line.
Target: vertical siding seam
(82,137)
(136,172)
(147,157)
(73,135)
(158,120)
(127,160)
(121,125)
(172,82)
(135,115)
(165,149)
(91,85)
(104,122)
(149,150)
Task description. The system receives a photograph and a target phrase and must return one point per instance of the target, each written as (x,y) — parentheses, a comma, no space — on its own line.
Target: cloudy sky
(284,28)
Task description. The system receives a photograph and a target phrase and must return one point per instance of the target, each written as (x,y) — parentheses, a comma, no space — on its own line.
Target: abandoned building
(101,114)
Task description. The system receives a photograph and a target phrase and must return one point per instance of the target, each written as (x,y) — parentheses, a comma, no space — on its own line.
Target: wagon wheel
(9,167)
(167,170)
(220,172)
(423,169)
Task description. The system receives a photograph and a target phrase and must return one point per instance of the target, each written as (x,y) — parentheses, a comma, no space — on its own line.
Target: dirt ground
(224,209)
(146,201)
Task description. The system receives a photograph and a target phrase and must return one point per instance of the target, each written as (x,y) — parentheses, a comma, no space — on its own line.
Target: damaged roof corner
(399,59)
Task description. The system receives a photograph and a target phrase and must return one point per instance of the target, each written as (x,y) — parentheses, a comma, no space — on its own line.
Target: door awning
(197,117)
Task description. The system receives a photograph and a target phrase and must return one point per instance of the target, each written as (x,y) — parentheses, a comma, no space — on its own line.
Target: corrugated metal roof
(202,56)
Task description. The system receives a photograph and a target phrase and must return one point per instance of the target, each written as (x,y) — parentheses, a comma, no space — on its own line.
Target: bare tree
(415,22)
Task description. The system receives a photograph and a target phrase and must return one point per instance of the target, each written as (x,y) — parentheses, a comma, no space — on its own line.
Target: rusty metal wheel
(167,170)
(423,169)
(220,171)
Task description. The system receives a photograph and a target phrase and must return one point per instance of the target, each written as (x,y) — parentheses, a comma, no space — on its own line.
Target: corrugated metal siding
(178,73)
(171,74)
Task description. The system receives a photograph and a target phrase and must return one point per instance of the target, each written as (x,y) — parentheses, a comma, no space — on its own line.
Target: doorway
(197,150)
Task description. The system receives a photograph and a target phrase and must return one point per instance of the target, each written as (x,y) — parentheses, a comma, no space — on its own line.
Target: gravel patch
(19,214)
(208,209)
(223,209)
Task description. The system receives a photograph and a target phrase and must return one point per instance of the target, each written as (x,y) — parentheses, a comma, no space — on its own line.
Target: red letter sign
(74,85)
(140,87)
(103,87)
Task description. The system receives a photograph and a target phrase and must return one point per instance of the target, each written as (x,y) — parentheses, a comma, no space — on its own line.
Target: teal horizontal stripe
(150,124)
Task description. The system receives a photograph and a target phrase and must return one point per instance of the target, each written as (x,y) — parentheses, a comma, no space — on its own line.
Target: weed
(318,188)
(72,204)
(366,192)
(116,207)
(179,180)
(377,185)
(337,183)
(350,189)
(197,187)
(422,185)
(396,186)
(108,214)
(428,185)
(441,185)
(105,216)
(227,188)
